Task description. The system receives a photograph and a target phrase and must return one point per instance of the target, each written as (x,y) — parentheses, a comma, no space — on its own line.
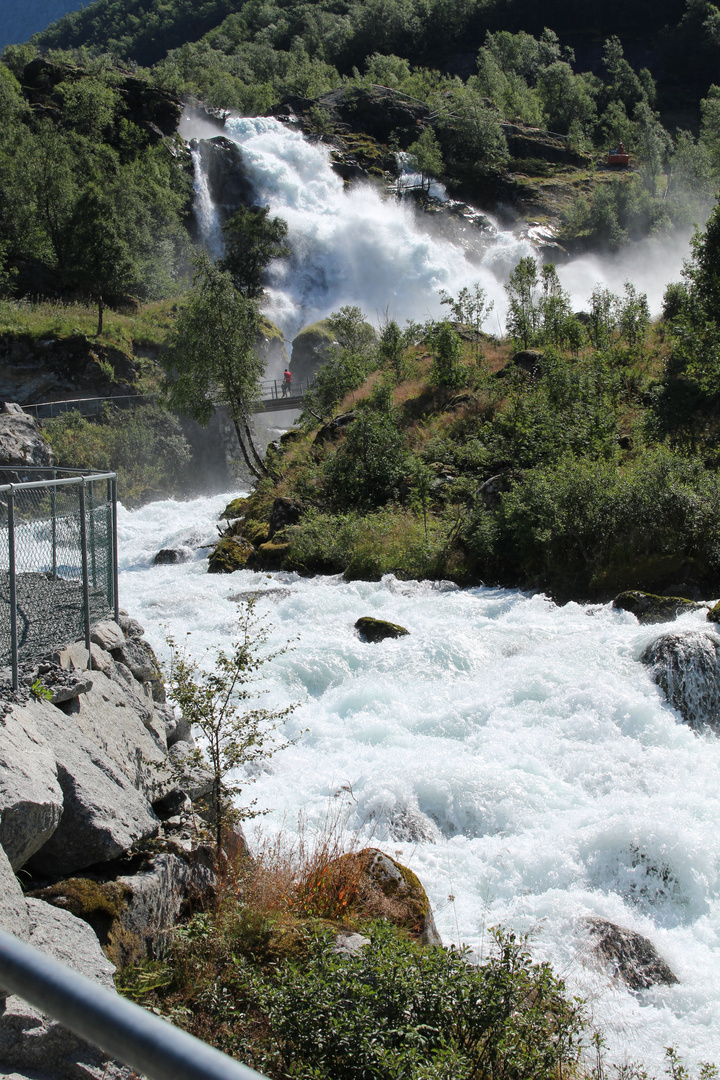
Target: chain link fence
(58,559)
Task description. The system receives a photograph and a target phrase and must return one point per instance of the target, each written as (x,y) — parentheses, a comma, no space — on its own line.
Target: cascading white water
(517,755)
(206,213)
(355,246)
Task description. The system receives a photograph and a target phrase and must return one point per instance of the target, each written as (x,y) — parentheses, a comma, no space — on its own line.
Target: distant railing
(275,395)
(58,558)
(149,1045)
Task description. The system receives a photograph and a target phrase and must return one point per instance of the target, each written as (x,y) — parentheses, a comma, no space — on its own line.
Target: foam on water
(516,754)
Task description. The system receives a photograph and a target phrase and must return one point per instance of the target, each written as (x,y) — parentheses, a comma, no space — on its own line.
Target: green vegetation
(144,445)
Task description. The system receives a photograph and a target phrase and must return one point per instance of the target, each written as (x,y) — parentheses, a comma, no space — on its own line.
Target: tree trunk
(251,443)
(101,309)
(248,462)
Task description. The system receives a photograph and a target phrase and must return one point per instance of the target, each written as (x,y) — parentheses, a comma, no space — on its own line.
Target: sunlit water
(354,245)
(516,754)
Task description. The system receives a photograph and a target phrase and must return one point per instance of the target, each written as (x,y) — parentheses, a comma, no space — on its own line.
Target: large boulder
(374,630)
(13,908)
(229,182)
(310,350)
(632,958)
(686,667)
(20,440)
(371,884)
(31,799)
(104,779)
(649,608)
(35,1044)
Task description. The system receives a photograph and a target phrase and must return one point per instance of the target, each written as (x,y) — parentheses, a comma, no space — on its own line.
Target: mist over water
(515,754)
(356,245)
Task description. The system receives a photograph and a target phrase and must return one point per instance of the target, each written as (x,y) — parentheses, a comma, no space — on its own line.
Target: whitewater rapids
(514,753)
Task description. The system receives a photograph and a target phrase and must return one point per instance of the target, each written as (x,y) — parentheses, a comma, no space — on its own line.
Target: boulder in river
(171,556)
(649,608)
(229,554)
(632,957)
(374,630)
(687,667)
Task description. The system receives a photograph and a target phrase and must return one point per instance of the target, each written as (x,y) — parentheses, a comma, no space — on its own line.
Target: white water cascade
(516,754)
(205,212)
(356,246)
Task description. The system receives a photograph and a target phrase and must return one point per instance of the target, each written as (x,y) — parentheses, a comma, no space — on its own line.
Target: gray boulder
(155,896)
(687,668)
(35,1044)
(191,773)
(13,908)
(139,657)
(633,958)
(107,635)
(20,440)
(31,799)
(103,777)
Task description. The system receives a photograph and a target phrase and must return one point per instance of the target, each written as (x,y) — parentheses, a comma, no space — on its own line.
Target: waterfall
(360,245)
(206,213)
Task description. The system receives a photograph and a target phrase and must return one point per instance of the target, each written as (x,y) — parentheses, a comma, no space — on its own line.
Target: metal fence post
(53,502)
(92,535)
(116,596)
(85,576)
(13,588)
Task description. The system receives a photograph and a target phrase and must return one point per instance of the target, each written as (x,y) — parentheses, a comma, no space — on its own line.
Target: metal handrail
(120,1028)
(64,481)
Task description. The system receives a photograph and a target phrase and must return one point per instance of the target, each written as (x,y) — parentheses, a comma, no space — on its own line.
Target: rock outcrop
(649,608)
(687,667)
(631,957)
(20,440)
(52,369)
(310,349)
(374,630)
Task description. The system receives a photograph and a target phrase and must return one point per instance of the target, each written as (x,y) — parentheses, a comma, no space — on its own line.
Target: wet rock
(229,555)
(687,668)
(31,799)
(229,183)
(374,630)
(310,350)
(713,614)
(649,608)
(21,442)
(271,555)
(235,509)
(170,557)
(631,956)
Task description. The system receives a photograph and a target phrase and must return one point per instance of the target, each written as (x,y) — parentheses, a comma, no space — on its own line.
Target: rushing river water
(514,753)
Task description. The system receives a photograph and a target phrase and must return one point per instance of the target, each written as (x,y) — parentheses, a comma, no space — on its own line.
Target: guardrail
(120,1028)
(58,558)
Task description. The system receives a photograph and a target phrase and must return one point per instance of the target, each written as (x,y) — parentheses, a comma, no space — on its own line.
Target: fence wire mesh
(54,537)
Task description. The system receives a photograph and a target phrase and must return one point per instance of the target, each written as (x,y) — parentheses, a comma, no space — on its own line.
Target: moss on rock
(373,630)
(229,554)
(235,509)
(649,608)
(98,903)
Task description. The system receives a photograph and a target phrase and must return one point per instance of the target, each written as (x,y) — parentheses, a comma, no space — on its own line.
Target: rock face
(374,630)
(284,512)
(229,184)
(310,350)
(686,667)
(57,368)
(13,909)
(31,1042)
(20,440)
(649,608)
(31,799)
(631,956)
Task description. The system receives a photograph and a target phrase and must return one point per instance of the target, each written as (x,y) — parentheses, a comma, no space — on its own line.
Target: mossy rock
(369,884)
(713,614)
(649,608)
(229,555)
(271,555)
(257,532)
(98,903)
(235,509)
(373,630)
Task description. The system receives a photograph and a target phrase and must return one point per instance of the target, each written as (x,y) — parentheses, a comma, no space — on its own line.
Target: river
(514,753)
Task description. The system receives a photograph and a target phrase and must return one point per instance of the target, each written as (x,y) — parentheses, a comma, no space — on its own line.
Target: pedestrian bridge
(272,399)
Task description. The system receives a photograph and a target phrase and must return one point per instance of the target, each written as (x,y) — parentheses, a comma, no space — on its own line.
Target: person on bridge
(287,382)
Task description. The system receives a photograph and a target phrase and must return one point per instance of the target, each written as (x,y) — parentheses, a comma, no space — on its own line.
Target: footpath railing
(275,395)
(123,1030)
(58,559)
